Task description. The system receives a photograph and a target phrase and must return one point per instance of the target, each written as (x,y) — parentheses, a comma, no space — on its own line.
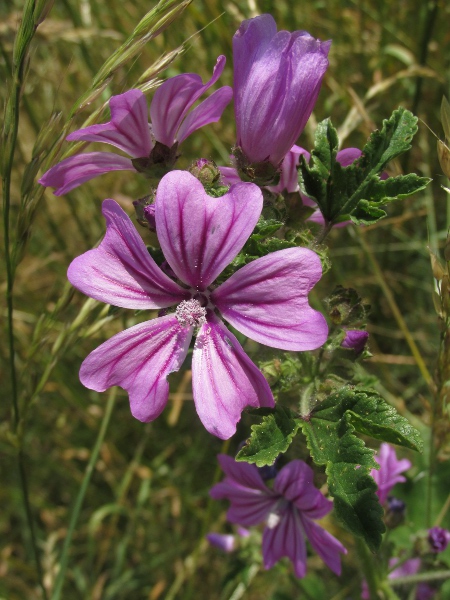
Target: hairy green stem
(56,595)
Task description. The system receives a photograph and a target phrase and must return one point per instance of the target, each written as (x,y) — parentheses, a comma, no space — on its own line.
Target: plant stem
(81,494)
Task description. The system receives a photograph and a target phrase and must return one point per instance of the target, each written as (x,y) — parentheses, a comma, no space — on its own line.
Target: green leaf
(394,138)
(377,192)
(357,191)
(330,433)
(271,437)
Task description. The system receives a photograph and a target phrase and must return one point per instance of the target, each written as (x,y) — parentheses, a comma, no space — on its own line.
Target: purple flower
(277,78)
(438,539)
(355,339)
(287,510)
(389,472)
(129,130)
(266,300)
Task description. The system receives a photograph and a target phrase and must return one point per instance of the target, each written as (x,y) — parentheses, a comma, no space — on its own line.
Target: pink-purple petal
(75,170)
(128,129)
(224,380)
(242,473)
(295,482)
(209,111)
(229,175)
(285,539)
(324,544)
(139,360)
(121,271)
(174,98)
(267,300)
(201,235)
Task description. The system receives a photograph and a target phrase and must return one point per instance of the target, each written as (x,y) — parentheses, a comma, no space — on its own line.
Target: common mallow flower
(266,300)
(149,145)
(287,509)
(277,78)
(389,472)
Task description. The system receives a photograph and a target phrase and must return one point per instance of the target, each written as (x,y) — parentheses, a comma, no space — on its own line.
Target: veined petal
(295,482)
(121,271)
(224,380)
(267,300)
(324,544)
(174,98)
(139,360)
(209,111)
(201,235)
(75,170)
(285,539)
(128,129)
(242,474)
(251,500)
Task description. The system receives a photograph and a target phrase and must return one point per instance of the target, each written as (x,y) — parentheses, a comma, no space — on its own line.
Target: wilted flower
(151,145)
(287,510)
(277,78)
(439,539)
(355,339)
(389,472)
(266,300)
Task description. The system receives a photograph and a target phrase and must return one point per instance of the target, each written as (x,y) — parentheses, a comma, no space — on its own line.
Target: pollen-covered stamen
(190,313)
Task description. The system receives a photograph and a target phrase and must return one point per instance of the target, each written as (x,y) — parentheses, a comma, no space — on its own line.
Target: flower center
(191,313)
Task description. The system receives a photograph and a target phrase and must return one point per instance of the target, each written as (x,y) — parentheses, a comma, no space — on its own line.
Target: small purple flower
(355,339)
(409,567)
(277,78)
(389,472)
(266,300)
(287,510)
(438,539)
(129,129)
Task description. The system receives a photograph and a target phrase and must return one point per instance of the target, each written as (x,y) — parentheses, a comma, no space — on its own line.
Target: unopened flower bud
(395,512)
(438,539)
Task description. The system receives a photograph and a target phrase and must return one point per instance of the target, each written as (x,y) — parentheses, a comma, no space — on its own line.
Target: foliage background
(141,529)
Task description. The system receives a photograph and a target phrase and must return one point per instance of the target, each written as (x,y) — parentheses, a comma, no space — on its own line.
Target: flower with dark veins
(152,147)
(266,300)
(288,511)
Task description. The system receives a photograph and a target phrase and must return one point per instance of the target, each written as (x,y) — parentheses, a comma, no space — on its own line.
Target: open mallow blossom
(277,78)
(266,300)
(288,511)
(388,474)
(149,145)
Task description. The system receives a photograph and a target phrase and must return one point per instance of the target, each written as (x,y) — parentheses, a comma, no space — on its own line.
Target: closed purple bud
(438,539)
(223,541)
(355,339)
(149,215)
(277,78)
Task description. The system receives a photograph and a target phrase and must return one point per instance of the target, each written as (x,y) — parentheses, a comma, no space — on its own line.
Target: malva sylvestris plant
(227,222)
(266,300)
